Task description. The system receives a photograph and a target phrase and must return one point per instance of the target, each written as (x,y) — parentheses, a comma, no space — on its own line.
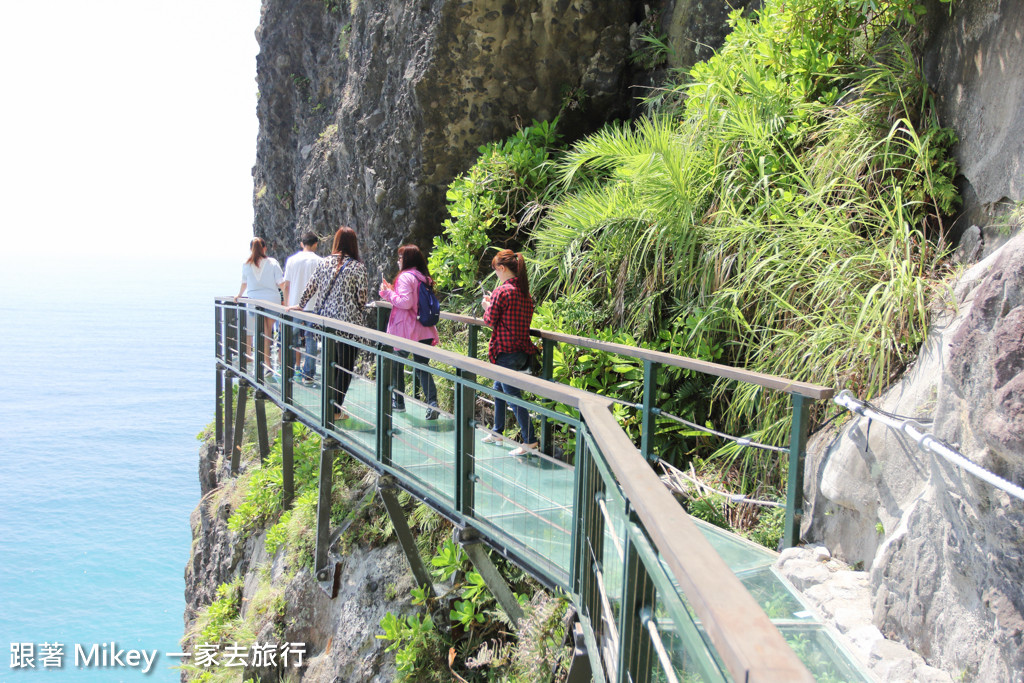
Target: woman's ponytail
(517,264)
(258,249)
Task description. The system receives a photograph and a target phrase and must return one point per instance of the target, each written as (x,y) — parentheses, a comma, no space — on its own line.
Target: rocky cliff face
(369,108)
(944,548)
(974,60)
(338,634)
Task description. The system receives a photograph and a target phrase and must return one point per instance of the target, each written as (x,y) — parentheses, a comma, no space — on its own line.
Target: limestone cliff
(369,109)
(338,634)
(944,549)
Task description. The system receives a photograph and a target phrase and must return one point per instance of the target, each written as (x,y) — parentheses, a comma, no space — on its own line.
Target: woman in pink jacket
(403,295)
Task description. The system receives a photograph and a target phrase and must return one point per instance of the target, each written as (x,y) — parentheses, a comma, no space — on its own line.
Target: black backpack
(428,310)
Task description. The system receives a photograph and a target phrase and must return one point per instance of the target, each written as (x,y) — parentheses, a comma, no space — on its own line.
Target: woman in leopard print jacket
(342,282)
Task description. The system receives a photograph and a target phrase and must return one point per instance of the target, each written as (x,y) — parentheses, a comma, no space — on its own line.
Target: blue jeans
(309,359)
(423,378)
(512,361)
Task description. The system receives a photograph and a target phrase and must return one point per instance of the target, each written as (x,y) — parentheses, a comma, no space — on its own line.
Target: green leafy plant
(782,209)
(499,195)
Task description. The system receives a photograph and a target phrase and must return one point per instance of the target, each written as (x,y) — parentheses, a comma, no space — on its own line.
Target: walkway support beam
(229,431)
(262,434)
(388,495)
(236,447)
(323,508)
(469,539)
(287,459)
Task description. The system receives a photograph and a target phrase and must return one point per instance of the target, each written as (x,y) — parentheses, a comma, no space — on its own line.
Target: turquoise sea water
(106,378)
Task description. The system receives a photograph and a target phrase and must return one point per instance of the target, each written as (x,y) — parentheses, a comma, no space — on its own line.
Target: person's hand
(236,299)
(293,308)
(487,300)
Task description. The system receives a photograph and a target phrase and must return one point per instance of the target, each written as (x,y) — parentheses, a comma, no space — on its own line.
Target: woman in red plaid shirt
(509,310)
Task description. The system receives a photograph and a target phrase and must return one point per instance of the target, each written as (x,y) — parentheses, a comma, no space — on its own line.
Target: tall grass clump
(790,191)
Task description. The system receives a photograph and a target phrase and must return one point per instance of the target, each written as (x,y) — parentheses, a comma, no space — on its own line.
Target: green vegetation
(780,208)
(491,203)
(465,632)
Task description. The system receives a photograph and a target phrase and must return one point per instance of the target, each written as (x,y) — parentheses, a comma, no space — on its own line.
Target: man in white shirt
(297,270)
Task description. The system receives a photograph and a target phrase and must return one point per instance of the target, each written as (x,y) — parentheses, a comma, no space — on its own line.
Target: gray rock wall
(368,109)
(339,634)
(945,550)
(974,61)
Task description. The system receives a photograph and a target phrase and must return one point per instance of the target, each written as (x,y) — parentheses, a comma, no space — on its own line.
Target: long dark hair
(412,257)
(345,244)
(517,264)
(259,251)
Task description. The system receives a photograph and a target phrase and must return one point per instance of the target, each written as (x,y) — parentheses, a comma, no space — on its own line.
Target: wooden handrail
(751,647)
(706,367)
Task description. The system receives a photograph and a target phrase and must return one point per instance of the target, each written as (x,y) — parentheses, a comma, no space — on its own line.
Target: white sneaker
(493,438)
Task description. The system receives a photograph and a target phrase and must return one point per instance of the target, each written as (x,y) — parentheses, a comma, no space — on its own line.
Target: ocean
(107,377)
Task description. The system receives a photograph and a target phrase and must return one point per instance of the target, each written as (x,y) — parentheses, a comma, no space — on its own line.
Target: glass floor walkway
(530,501)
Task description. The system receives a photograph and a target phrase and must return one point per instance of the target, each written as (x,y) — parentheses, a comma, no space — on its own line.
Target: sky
(127,127)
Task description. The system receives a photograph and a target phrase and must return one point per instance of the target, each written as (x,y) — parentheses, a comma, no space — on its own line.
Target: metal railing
(802,397)
(655,599)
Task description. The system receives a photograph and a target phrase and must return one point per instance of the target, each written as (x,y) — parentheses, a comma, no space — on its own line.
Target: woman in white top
(261,279)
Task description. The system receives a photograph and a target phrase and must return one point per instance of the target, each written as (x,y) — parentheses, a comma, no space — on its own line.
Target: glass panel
(425,449)
(530,498)
(774,596)
(691,658)
(739,553)
(306,398)
(823,656)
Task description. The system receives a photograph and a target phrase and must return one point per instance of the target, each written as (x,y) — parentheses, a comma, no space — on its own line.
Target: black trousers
(343,364)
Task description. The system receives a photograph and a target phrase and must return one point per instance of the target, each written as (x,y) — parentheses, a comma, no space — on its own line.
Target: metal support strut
(469,539)
(261,425)
(287,459)
(236,447)
(323,509)
(386,488)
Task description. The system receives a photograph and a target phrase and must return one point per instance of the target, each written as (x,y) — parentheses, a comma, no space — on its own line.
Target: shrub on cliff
(791,189)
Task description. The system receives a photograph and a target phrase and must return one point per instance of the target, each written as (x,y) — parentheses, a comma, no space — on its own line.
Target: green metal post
(257,350)
(383,315)
(261,426)
(287,459)
(218,353)
(287,366)
(219,403)
(243,361)
(647,422)
(218,331)
(323,508)
(384,418)
(236,447)
(546,368)
(229,397)
(795,480)
(465,435)
(592,543)
(577,558)
(386,489)
(327,387)
(230,326)
(465,446)
(635,648)
(473,342)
